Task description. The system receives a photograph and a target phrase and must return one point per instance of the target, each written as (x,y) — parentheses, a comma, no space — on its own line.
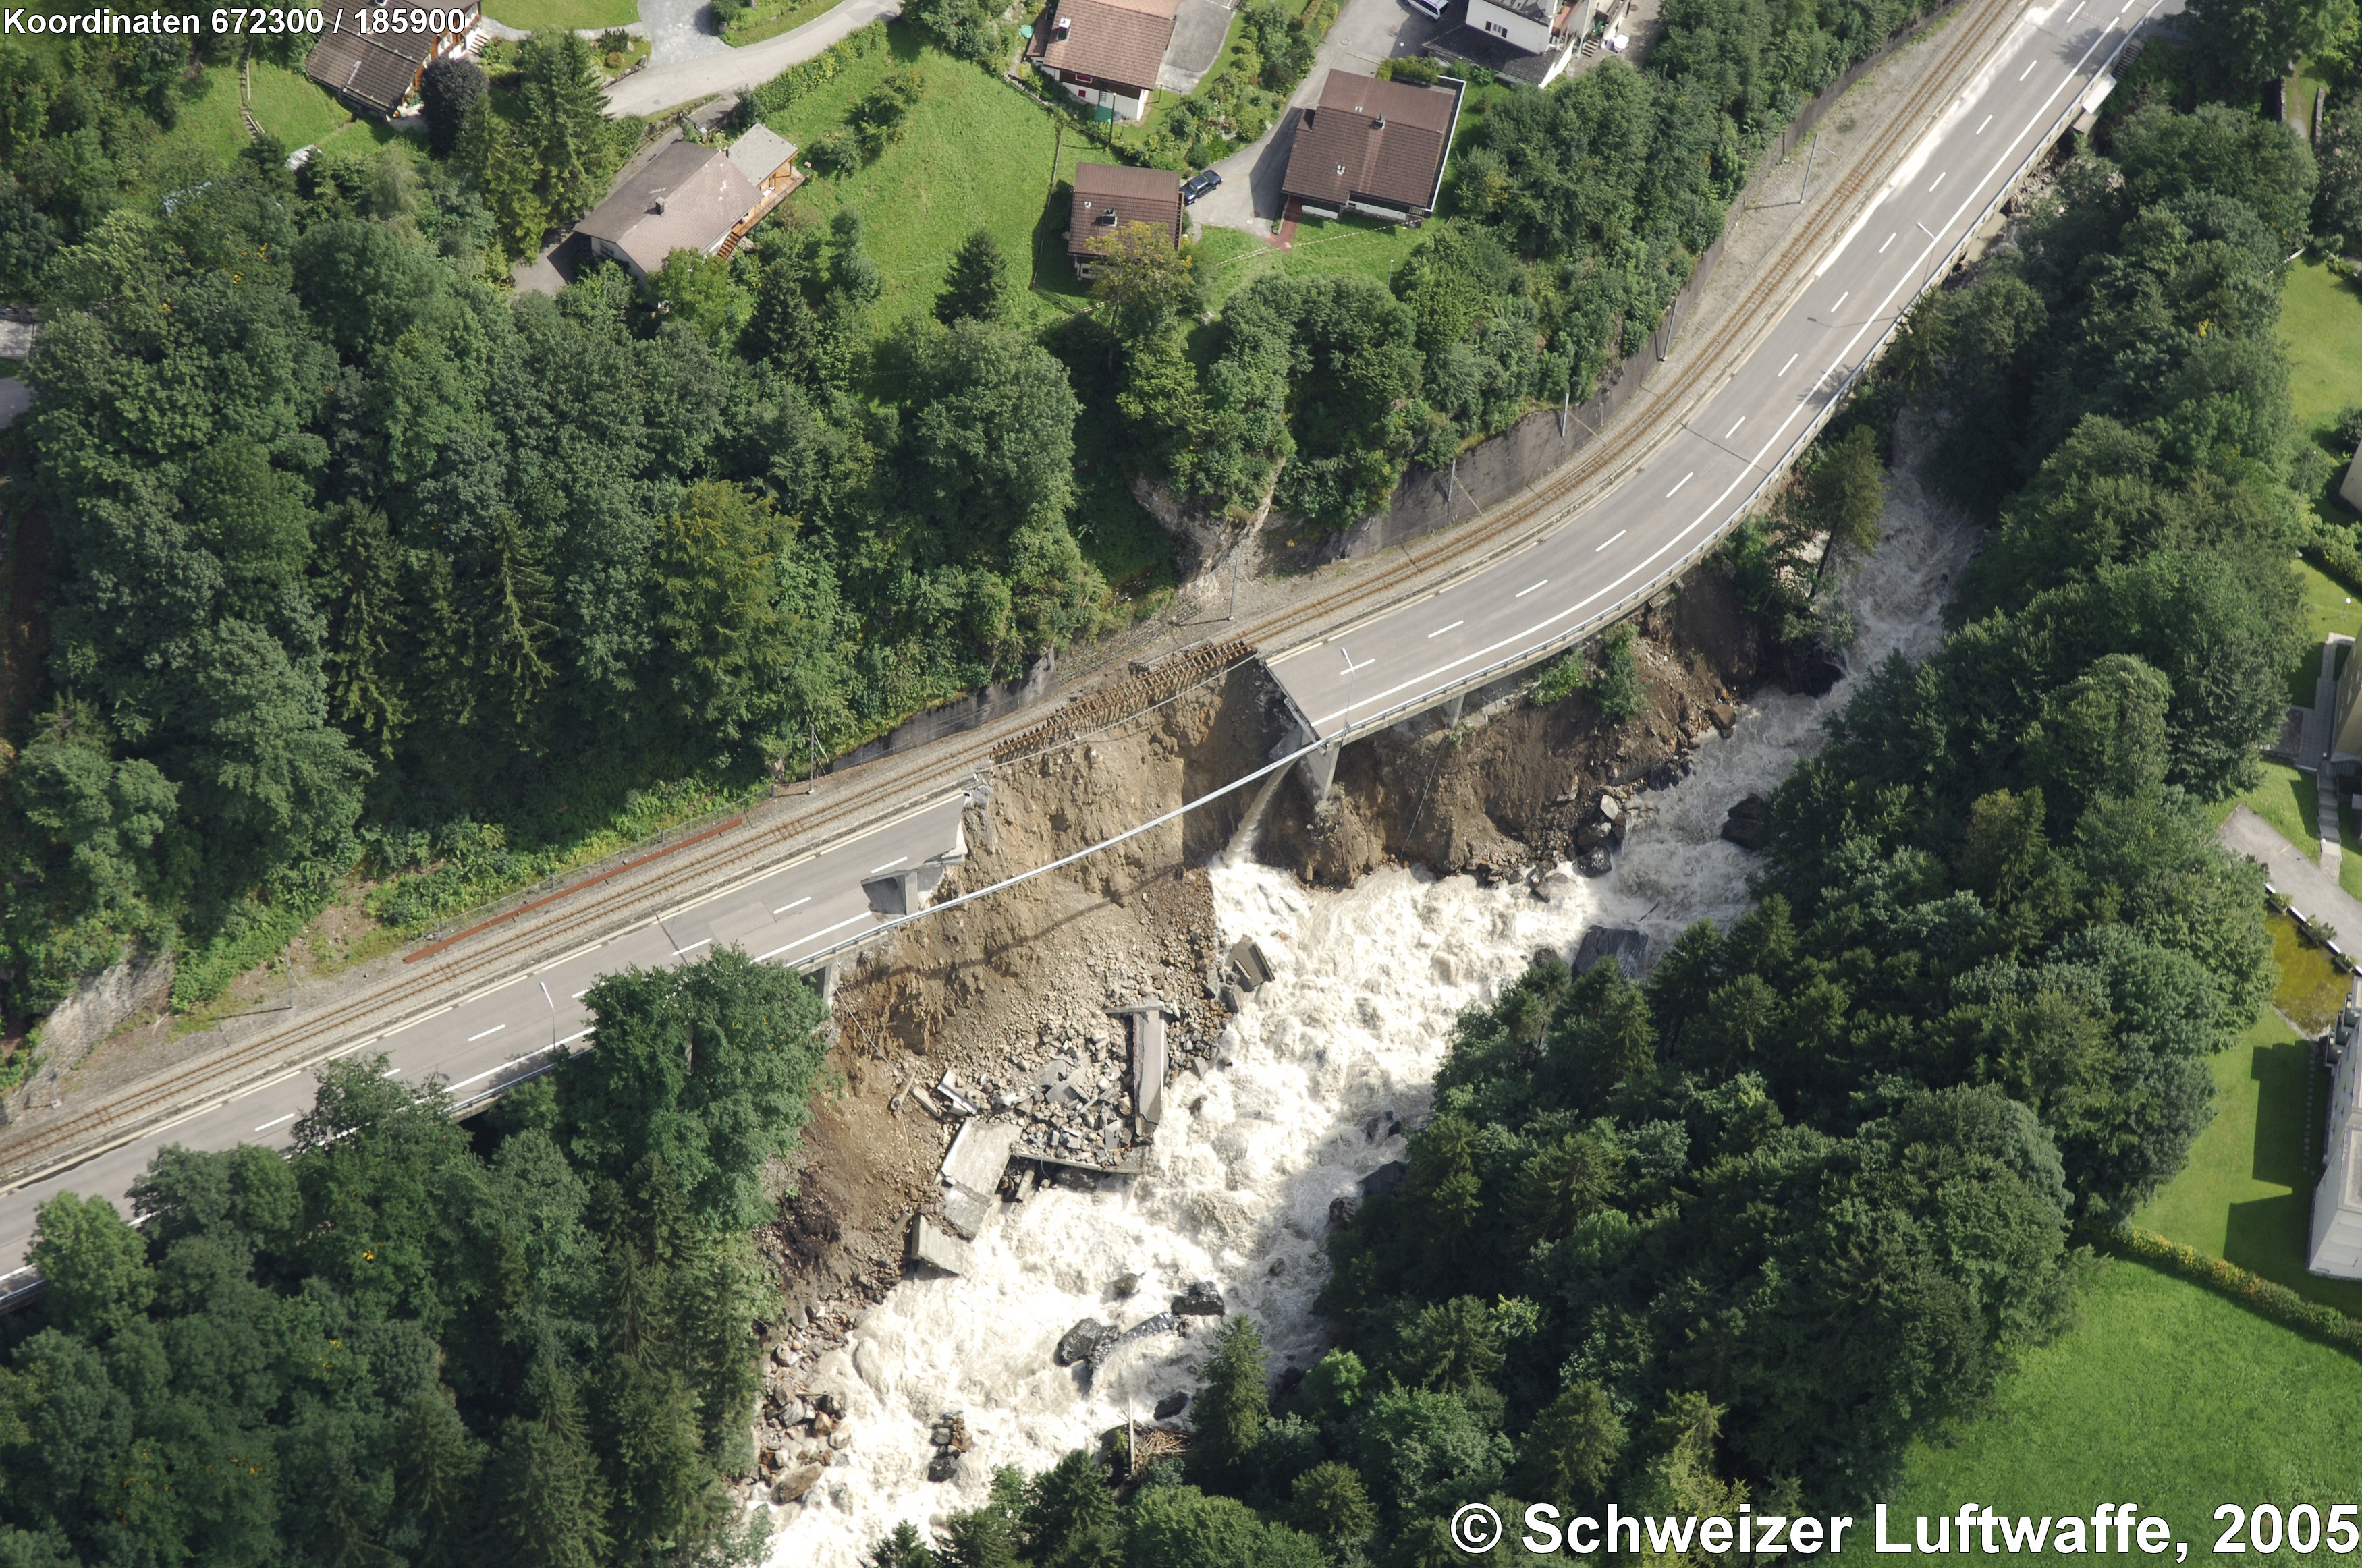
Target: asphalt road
(1706,474)
(783,913)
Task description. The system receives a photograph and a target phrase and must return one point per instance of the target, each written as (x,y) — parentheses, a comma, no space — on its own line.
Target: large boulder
(1200,1298)
(791,1487)
(1077,1342)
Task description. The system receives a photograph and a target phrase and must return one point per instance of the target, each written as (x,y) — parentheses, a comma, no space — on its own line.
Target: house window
(1497,29)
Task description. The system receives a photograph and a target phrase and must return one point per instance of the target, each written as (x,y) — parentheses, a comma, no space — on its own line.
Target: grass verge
(533,15)
(769,18)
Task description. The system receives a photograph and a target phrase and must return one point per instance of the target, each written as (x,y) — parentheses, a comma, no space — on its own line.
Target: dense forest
(395,1347)
(361,560)
(1743,1231)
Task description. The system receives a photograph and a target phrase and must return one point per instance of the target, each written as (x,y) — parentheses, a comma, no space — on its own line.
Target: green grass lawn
(2163,1394)
(1228,260)
(975,154)
(533,15)
(2321,328)
(2243,1196)
(769,18)
(286,104)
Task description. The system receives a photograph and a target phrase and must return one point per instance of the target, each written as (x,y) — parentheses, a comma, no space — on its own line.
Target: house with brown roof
(1105,53)
(1110,195)
(691,196)
(1374,146)
(374,55)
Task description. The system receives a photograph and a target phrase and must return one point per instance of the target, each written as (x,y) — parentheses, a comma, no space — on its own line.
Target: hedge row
(2273,1300)
(819,70)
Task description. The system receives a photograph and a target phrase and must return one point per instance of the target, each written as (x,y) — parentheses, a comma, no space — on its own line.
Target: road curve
(1592,562)
(766,885)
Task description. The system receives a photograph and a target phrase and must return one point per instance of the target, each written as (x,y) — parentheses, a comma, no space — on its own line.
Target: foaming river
(1324,1063)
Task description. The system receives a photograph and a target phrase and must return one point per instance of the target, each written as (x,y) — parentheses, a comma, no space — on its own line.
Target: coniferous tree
(1232,1404)
(548,1506)
(976,287)
(563,121)
(361,577)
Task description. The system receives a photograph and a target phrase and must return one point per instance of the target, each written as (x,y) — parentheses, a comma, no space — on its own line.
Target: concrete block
(1247,958)
(965,1211)
(937,1248)
(979,1155)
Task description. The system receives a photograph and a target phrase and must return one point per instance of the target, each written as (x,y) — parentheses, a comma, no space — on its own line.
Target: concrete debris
(1079,1343)
(1148,1063)
(965,1211)
(937,1248)
(979,1154)
(1247,958)
(948,1088)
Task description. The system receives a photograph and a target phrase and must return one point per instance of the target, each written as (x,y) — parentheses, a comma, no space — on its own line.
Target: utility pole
(553,1011)
(1233,612)
(1811,147)
(287,958)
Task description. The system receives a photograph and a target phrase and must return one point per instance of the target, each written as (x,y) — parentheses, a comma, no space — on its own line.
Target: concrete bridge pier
(1452,706)
(1320,771)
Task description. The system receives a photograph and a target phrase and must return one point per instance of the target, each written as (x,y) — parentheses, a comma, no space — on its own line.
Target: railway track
(1531,514)
(473,966)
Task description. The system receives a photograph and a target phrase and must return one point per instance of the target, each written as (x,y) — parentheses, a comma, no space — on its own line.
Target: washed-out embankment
(1436,868)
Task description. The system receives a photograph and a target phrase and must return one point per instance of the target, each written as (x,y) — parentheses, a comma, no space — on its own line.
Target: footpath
(2297,876)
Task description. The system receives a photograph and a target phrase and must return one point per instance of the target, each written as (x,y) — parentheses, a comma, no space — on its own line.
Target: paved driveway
(1198,34)
(730,70)
(679,30)
(1365,33)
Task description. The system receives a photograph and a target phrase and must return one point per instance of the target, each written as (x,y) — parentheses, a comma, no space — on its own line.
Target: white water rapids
(1367,983)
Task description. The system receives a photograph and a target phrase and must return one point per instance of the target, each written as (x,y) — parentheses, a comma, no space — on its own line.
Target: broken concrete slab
(937,1248)
(1148,1065)
(1247,957)
(979,1155)
(967,1212)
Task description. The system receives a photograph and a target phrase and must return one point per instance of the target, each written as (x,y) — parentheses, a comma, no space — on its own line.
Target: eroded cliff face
(1513,783)
(997,991)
